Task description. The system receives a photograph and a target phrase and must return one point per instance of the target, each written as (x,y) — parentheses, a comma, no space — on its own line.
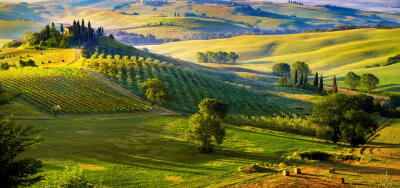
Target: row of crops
(187,88)
(74,90)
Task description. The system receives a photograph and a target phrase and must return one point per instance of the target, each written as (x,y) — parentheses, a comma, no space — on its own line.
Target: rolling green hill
(329,53)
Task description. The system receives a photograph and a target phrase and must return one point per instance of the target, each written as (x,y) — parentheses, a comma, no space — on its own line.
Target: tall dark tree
(305,79)
(62,28)
(334,86)
(321,84)
(83,23)
(301,80)
(295,78)
(15,139)
(316,80)
(90,31)
(53,25)
(47,32)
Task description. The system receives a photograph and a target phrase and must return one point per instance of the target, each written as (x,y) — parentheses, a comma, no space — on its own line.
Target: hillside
(329,53)
(73,89)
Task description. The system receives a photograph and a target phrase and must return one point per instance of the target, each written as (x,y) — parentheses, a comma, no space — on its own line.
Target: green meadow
(149,150)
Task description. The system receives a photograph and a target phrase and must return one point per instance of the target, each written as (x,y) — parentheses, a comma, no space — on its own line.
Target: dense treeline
(76,34)
(138,39)
(217,57)
(351,27)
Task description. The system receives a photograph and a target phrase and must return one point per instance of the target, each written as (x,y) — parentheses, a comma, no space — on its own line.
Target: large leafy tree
(330,112)
(369,82)
(15,139)
(202,129)
(352,80)
(156,91)
(213,108)
(301,68)
(357,124)
(282,69)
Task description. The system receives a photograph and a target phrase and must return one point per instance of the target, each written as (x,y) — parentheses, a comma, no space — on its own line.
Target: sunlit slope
(73,89)
(328,52)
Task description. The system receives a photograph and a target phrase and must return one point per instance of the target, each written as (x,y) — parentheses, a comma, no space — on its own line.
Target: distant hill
(330,53)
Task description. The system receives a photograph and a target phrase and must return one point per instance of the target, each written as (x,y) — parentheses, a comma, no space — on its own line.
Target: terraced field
(73,89)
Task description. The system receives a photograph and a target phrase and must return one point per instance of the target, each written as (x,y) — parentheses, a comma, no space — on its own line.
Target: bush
(316,155)
(4,66)
(282,81)
(13,44)
(29,63)
(393,60)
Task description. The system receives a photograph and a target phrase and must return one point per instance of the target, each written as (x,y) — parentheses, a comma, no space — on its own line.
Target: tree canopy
(369,82)
(301,68)
(282,69)
(213,107)
(352,80)
(217,57)
(156,91)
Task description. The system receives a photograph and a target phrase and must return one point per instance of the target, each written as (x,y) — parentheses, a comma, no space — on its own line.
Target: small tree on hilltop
(334,86)
(282,69)
(156,91)
(352,80)
(316,80)
(282,81)
(369,82)
(321,84)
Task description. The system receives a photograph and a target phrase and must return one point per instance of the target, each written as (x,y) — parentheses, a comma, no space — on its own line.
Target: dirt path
(77,58)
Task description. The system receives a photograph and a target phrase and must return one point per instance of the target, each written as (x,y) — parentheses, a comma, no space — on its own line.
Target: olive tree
(156,91)
(369,82)
(352,80)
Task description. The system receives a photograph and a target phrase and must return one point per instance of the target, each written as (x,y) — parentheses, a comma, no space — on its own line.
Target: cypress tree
(90,31)
(321,84)
(305,79)
(47,32)
(295,78)
(53,25)
(301,82)
(83,23)
(62,28)
(334,87)
(316,80)
(78,30)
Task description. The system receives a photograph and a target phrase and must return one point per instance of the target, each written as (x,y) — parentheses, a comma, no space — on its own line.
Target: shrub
(282,81)
(393,60)
(4,66)
(29,63)
(316,155)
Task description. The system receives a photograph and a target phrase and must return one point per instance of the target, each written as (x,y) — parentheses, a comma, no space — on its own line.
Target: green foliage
(202,129)
(316,80)
(156,91)
(352,80)
(393,60)
(217,57)
(47,37)
(342,113)
(282,69)
(4,66)
(213,108)
(316,155)
(356,126)
(321,84)
(282,81)
(368,82)
(29,63)
(76,179)
(15,139)
(301,68)
(56,110)
(13,44)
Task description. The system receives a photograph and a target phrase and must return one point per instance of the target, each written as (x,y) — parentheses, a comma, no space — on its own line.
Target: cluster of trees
(139,39)
(367,82)
(29,63)
(351,27)
(347,117)
(51,37)
(295,2)
(217,57)
(13,44)
(393,60)
(205,126)
(80,33)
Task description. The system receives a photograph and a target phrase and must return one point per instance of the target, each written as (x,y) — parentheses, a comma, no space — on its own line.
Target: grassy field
(149,150)
(329,53)
(73,89)
(42,58)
